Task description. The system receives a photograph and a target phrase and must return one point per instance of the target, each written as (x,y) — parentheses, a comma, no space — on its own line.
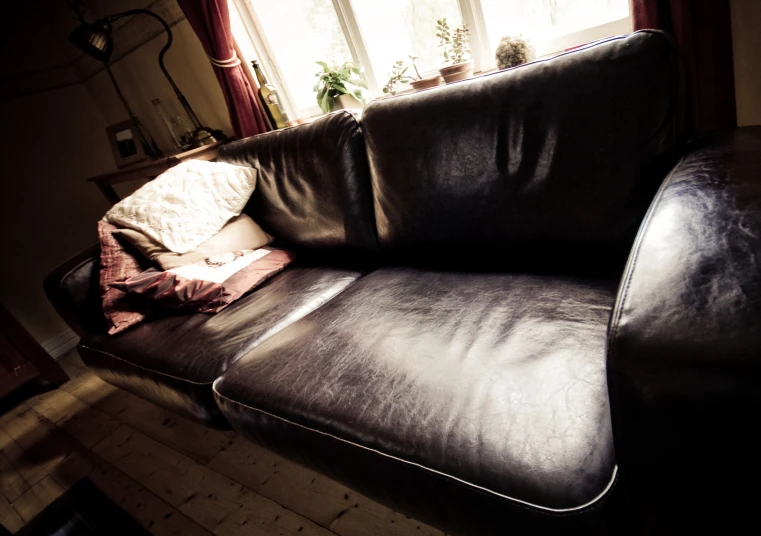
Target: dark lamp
(94,40)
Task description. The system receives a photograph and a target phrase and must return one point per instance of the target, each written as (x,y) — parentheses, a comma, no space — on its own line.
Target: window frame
(471,12)
(247,14)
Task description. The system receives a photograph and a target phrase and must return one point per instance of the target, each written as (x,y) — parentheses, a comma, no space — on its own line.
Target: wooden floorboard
(175,477)
(12,484)
(312,495)
(194,440)
(37,497)
(29,472)
(159,517)
(9,518)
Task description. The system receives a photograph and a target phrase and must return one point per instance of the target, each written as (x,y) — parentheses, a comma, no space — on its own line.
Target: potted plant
(339,87)
(398,75)
(454,46)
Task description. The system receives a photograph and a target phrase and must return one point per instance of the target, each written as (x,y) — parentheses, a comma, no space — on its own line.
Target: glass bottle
(183,128)
(269,98)
(176,127)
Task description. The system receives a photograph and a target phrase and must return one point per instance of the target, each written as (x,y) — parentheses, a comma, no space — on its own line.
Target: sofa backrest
(564,152)
(313,187)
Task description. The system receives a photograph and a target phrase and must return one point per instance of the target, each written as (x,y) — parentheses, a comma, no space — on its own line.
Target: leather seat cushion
(173,360)
(489,387)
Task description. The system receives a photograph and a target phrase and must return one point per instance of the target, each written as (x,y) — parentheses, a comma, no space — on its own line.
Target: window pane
(544,20)
(396,29)
(301,32)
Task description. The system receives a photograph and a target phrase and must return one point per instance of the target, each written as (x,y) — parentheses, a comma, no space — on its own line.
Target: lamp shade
(94,39)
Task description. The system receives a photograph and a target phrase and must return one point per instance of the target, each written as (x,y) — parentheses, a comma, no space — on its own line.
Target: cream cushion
(187,204)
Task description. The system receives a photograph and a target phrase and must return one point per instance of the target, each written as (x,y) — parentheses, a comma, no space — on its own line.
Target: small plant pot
(460,71)
(426,83)
(346,102)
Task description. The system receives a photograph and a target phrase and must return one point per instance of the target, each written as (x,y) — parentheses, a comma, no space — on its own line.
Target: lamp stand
(201,135)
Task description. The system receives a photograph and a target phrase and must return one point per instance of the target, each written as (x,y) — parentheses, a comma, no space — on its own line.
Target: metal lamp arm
(183,101)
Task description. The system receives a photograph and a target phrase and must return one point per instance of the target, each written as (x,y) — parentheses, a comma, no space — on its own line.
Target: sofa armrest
(684,354)
(74,290)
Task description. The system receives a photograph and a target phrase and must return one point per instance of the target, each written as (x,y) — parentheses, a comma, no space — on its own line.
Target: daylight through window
(290,36)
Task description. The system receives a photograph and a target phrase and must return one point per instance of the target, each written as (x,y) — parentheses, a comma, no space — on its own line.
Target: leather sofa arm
(73,289)
(684,354)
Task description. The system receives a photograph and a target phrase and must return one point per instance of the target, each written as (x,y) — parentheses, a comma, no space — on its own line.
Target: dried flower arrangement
(513,51)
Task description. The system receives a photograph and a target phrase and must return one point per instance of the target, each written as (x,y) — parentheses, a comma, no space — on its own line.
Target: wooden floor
(172,475)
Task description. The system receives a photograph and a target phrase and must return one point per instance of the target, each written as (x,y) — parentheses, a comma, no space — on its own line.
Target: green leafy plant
(336,80)
(398,75)
(454,44)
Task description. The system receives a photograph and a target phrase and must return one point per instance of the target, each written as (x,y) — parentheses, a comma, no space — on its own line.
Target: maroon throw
(171,290)
(702,28)
(117,264)
(210,20)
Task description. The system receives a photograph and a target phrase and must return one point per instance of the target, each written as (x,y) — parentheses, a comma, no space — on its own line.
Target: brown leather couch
(463,338)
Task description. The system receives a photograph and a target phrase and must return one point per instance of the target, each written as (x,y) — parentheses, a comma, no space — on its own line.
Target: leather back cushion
(565,152)
(313,187)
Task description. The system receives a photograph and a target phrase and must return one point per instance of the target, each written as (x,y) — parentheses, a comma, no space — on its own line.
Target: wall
(54,138)
(746,45)
(53,141)
(141,80)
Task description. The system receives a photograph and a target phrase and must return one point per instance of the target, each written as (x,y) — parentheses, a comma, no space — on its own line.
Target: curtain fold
(703,30)
(210,20)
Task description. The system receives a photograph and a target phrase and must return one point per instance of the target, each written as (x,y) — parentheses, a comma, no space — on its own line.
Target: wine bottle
(270,100)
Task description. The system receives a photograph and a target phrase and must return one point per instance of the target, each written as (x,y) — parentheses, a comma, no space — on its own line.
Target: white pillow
(187,204)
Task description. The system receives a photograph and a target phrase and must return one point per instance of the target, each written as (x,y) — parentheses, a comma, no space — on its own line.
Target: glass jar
(177,127)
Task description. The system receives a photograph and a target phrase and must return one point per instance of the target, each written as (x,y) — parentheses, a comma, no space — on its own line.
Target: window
(544,22)
(298,33)
(397,29)
(289,36)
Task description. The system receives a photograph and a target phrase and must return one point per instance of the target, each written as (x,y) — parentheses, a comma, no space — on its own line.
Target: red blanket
(130,287)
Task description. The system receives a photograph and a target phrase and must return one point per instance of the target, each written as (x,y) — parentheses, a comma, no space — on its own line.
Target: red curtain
(210,20)
(703,31)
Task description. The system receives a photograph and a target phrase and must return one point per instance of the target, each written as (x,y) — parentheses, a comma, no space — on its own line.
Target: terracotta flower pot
(426,83)
(460,71)
(346,101)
